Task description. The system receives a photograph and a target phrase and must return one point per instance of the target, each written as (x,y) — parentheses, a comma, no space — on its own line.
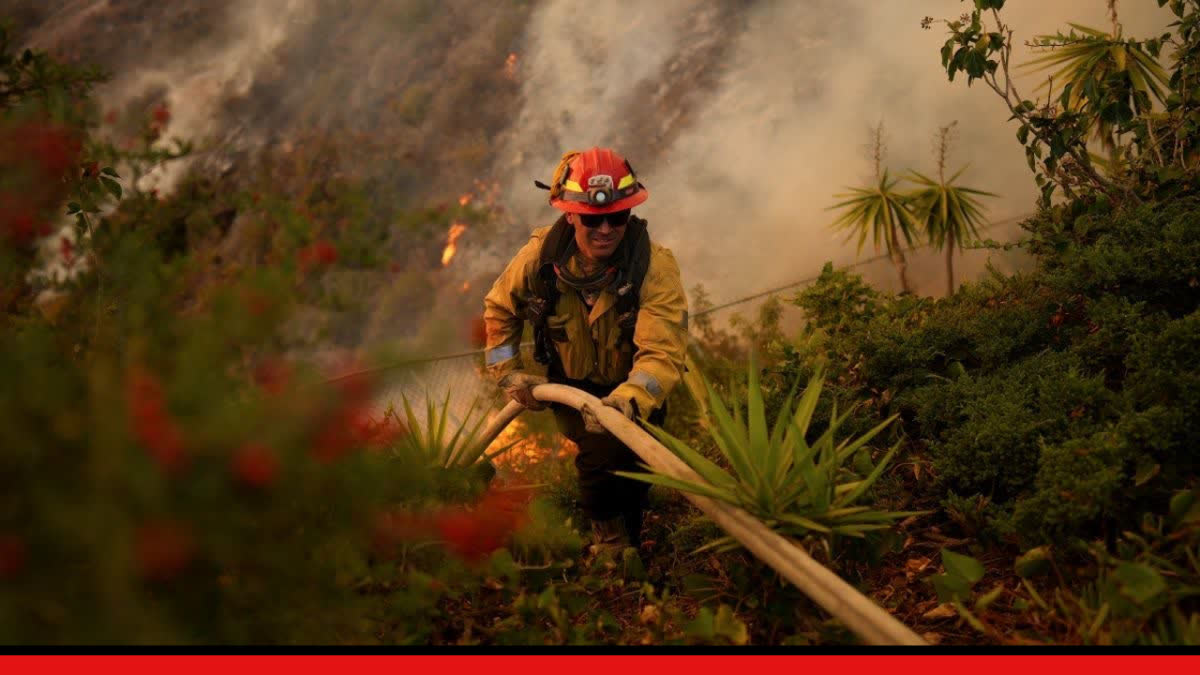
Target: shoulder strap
(634,269)
(544,285)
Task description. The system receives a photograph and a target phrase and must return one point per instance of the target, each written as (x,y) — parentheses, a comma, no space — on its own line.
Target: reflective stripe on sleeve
(646,381)
(500,354)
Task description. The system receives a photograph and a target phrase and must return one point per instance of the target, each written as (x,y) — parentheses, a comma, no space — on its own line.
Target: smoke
(740,194)
(743,117)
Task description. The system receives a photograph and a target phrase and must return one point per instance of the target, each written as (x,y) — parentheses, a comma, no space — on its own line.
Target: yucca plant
(435,444)
(1101,74)
(948,212)
(882,213)
(797,488)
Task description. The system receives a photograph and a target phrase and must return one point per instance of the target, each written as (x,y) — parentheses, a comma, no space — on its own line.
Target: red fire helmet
(597,180)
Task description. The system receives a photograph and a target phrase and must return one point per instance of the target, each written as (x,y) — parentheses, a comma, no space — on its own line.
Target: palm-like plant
(949,213)
(882,213)
(1102,75)
(796,487)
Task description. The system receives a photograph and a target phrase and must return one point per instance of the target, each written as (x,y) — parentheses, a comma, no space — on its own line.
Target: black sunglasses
(616,219)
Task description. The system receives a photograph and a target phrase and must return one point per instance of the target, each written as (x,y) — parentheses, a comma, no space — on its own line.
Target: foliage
(1110,82)
(799,489)
(1128,71)
(880,212)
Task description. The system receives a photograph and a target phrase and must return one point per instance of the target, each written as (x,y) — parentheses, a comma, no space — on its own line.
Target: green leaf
(109,171)
(701,489)
(950,587)
(1139,582)
(988,598)
(703,626)
(728,626)
(707,469)
(1033,562)
(112,186)
(962,566)
(806,523)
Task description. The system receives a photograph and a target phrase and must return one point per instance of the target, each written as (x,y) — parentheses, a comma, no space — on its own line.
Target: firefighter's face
(597,243)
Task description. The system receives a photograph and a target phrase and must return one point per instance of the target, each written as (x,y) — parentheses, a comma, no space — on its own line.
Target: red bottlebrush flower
(477,332)
(1057,319)
(376,434)
(273,375)
(54,146)
(318,253)
(91,169)
(13,556)
(20,225)
(163,550)
(161,115)
(152,424)
(474,533)
(255,465)
(335,438)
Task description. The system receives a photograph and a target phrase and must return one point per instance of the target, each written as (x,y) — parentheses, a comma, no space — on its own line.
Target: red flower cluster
(163,549)
(35,158)
(318,253)
(470,532)
(343,429)
(152,424)
(255,465)
(19,224)
(160,115)
(53,146)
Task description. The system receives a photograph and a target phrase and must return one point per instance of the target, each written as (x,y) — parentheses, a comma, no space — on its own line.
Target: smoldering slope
(741,193)
(744,117)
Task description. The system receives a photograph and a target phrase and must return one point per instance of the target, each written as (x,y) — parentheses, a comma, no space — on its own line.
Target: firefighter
(609,316)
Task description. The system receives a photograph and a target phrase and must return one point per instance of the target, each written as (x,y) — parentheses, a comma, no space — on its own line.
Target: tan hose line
(861,615)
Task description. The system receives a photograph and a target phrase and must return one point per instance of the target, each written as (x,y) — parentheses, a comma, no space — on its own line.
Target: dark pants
(603,495)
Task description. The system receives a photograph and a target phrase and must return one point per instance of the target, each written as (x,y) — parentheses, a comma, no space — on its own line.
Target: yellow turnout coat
(592,350)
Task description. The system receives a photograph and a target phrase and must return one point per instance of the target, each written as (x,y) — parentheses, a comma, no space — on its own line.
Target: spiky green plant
(882,213)
(435,444)
(949,213)
(797,488)
(1101,74)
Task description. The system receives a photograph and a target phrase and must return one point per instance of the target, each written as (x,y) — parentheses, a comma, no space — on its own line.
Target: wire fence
(459,377)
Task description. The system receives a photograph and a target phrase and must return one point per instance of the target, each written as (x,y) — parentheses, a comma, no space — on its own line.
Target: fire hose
(860,614)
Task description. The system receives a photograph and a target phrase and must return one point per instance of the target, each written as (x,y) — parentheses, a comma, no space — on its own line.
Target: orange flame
(456,231)
(465,287)
(465,199)
(510,66)
(528,448)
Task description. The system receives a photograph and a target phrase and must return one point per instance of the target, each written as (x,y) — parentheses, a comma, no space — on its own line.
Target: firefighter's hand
(519,387)
(623,405)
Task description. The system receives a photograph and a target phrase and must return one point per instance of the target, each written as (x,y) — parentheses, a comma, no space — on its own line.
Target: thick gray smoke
(744,117)
(740,194)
